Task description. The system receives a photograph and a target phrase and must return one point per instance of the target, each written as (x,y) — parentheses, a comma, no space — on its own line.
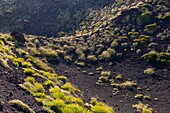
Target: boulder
(18,36)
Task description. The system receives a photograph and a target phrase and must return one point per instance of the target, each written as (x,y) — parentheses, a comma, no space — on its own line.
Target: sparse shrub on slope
(21,105)
(102,109)
(158,58)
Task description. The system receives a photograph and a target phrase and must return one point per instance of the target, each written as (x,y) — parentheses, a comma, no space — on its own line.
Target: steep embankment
(45,17)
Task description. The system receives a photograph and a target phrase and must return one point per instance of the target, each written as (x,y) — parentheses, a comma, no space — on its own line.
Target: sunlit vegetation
(119,33)
(21,105)
(142,108)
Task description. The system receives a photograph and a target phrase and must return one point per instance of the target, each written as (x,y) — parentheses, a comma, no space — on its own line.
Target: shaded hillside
(47,17)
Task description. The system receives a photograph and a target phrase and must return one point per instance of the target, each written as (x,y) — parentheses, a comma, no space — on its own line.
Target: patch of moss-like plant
(151,28)
(128,84)
(104,76)
(49,53)
(30,80)
(74,108)
(102,109)
(105,56)
(158,58)
(29,71)
(92,58)
(39,64)
(143,108)
(142,39)
(149,71)
(49,75)
(39,88)
(22,106)
(68,59)
(68,87)
(49,83)
(62,78)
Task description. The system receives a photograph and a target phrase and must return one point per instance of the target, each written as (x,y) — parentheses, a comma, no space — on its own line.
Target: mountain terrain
(85,56)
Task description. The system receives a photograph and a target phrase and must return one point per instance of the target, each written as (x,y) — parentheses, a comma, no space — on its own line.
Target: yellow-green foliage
(104,76)
(105,56)
(74,108)
(142,39)
(3,38)
(49,83)
(62,78)
(6,50)
(146,110)
(30,80)
(82,57)
(39,95)
(39,88)
(34,51)
(67,86)
(80,63)
(29,71)
(68,58)
(21,51)
(112,52)
(159,58)
(79,51)
(128,84)
(57,93)
(93,101)
(149,71)
(142,108)
(56,105)
(151,28)
(102,109)
(17,61)
(92,58)
(48,110)
(49,75)
(114,44)
(39,64)
(49,53)
(22,105)
(61,53)
(139,96)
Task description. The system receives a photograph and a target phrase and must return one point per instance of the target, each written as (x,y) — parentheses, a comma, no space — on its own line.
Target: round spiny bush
(56,105)
(49,83)
(49,53)
(105,56)
(79,51)
(29,71)
(68,58)
(30,80)
(82,57)
(114,44)
(73,108)
(62,78)
(146,110)
(112,52)
(149,71)
(102,109)
(92,58)
(80,63)
(39,88)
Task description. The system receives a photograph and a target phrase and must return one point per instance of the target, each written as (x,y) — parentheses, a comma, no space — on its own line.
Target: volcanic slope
(122,60)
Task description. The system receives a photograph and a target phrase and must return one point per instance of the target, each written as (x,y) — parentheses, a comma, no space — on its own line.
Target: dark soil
(10,90)
(157,86)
